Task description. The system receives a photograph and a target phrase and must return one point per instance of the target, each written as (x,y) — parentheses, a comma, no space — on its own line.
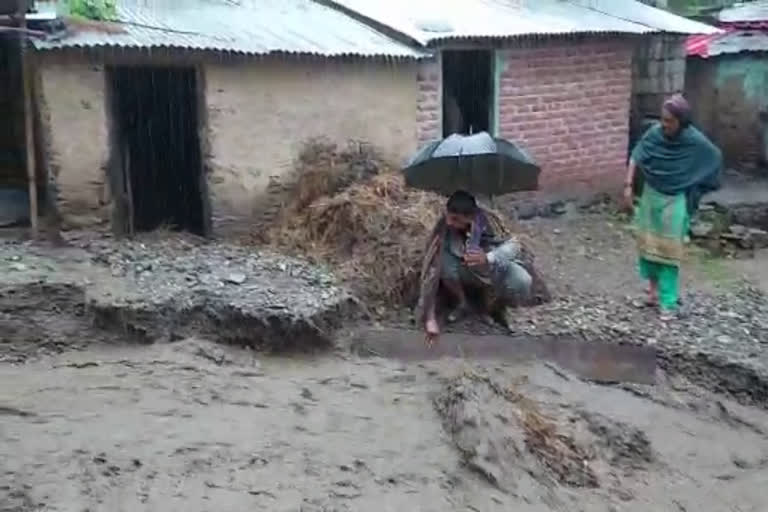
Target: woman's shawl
(688,163)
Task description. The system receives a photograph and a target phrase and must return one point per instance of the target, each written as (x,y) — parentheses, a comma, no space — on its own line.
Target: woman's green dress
(677,171)
(661,223)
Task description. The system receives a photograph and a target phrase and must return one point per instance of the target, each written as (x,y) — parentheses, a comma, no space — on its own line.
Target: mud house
(192,113)
(727,82)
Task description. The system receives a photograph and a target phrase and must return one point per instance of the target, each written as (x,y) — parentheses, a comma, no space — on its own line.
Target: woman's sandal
(668,316)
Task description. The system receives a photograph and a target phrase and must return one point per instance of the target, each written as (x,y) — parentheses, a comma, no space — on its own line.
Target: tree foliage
(97,10)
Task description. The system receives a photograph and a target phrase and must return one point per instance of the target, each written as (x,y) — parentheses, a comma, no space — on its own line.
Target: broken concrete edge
(269,330)
(265,330)
(744,382)
(284,331)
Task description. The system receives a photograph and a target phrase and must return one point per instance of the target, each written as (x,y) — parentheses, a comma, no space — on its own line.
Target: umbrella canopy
(479,164)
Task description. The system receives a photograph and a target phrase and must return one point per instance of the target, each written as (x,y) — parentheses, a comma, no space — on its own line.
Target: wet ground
(92,420)
(191,426)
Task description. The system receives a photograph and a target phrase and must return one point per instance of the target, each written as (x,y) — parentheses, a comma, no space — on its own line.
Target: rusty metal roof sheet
(432,21)
(254,27)
(732,42)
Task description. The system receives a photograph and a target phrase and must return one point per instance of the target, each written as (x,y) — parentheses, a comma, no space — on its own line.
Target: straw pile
(352,210)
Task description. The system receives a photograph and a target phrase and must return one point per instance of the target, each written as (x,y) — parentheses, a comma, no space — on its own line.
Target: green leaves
(97,10)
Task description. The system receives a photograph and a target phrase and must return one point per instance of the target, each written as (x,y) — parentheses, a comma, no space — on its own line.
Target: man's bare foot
(458,312)
(505,318)
(433,332)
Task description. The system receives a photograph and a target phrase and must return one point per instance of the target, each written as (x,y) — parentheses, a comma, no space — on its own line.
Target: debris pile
(722,232)
(352,210)
(516,442)
(160,290)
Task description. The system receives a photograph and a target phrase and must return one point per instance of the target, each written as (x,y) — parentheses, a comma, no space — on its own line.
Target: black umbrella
(479,164)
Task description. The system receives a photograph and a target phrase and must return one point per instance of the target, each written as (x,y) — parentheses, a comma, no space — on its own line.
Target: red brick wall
(429,107)
(568,104)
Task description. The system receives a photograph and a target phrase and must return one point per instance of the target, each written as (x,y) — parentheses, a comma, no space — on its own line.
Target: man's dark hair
(462,203)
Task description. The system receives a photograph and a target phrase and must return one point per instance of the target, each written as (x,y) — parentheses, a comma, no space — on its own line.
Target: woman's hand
(628,199)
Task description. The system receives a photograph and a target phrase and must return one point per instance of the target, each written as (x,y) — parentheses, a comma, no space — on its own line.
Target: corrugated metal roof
(732,42)
(255,27)
(430,21)
(752,11)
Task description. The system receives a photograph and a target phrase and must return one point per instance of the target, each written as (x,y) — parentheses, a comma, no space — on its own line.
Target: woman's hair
(678,106)
(462,203)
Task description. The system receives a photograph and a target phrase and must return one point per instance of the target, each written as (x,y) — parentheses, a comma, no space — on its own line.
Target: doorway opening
(156,148)
(14,186)
(467,91)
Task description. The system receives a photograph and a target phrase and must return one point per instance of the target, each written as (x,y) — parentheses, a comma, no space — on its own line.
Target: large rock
(746,237)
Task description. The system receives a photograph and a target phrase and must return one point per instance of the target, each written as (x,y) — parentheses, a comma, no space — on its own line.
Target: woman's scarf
(678,106)
(688,163)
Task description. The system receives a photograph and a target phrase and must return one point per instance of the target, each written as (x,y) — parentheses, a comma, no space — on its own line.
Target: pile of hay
(373,233)
(352,210)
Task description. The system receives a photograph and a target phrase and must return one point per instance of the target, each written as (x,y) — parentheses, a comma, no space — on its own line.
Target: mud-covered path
(194,426)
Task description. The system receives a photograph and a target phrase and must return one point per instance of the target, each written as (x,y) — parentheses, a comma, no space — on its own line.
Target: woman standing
(679,165)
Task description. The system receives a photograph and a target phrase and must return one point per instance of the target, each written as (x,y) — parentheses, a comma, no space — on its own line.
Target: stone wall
(658,72)
(71,99)
(568,102)
(260,114)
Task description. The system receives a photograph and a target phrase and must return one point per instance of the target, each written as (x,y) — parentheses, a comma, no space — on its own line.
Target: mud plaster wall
(729,95)
(260,113)
(73,111)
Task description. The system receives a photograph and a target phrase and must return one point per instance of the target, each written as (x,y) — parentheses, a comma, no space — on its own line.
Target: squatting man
(469,250)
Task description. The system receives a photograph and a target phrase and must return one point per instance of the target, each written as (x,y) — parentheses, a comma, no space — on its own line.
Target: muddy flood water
(194,426)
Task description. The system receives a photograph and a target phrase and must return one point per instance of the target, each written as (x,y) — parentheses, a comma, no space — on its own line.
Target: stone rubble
(174,288)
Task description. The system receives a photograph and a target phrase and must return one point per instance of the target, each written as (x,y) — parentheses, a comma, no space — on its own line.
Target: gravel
(162,290)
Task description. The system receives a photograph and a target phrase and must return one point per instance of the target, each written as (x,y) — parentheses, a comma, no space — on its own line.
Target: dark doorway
(156,147)
(14,188)
(467,91)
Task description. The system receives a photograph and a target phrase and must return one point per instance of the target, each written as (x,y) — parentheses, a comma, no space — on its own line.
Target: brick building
(556,76)
(193,115)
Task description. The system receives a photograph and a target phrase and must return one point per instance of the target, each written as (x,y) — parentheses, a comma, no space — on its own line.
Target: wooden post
(29,135)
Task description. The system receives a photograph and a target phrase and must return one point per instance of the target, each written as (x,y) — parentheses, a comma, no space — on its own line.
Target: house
(727,82)
(556,76)
(192,113)
(187,113)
